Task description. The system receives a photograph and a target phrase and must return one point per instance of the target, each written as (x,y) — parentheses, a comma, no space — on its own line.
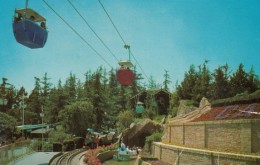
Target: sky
(163,35)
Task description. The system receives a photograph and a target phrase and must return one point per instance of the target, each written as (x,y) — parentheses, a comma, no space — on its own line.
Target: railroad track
(66,158)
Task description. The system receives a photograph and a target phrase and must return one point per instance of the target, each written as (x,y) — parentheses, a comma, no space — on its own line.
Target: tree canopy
(100,101)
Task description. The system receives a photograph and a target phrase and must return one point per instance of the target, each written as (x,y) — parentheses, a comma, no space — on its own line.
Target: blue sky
(163,35)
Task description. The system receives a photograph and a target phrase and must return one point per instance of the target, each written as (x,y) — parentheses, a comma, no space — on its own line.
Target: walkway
(36,158)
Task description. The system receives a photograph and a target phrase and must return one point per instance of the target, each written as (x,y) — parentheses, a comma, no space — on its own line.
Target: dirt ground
(241,111)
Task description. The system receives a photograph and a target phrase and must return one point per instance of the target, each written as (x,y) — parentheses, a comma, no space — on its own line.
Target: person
(32,18)
(122,146)
(96,140)
(18,18)
(43,25)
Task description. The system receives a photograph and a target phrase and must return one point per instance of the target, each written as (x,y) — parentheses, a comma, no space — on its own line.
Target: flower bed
(92,156)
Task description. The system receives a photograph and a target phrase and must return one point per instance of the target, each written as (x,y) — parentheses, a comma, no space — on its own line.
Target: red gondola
(124,75)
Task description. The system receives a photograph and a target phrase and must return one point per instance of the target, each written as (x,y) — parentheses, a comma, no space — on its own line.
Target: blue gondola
(29,28)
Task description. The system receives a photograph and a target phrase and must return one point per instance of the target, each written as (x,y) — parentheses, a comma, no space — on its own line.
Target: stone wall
(256,138)
(177,155)
(227,135)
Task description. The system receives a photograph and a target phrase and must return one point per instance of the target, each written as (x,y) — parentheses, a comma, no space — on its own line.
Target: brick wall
(256,137)
(194,135)
(176,134)
(177,155)
(224,136)
(230,135)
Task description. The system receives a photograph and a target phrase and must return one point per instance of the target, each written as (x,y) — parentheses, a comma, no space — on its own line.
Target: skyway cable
(121,37)
(92,30)
(82,38)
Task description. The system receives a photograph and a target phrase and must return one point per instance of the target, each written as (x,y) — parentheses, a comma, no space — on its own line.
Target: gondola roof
(29,13)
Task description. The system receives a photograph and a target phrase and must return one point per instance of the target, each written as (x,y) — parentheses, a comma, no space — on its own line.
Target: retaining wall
(177,155)
(226,135)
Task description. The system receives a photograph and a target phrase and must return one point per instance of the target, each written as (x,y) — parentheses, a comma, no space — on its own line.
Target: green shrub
(173,111)
(242,98)
(47,147)
(69,145)
(79,142)
(125,118)
(59,135)
(57,147)
(149,113)
(155,137)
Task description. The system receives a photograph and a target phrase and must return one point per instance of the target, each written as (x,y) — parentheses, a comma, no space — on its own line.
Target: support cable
(112,22)
(80,36)
(93,30)
(122,38)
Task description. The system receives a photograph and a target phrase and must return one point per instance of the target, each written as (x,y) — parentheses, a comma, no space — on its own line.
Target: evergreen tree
(123,98)
(45,96)
(185,89)
(6,95)
(220,86)
(88,93)
(252,81)
(46,85)
(152,83)
(70,88)
(58,101)
(35,102)
(166,81)
(239,81)
(202,84)
(18,103)
(78,116)
(79,91)
(113,106)
(98,98)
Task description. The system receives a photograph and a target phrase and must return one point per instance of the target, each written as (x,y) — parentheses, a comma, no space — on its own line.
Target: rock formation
(135,136)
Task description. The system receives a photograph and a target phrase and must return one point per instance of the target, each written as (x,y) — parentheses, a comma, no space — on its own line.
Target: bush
(173,111)
(155,137)
(69,145)
(125,118)
(149,113)
(79,142)
(57,147)
(59,135)
(7,124)
(47,147)
(242,98)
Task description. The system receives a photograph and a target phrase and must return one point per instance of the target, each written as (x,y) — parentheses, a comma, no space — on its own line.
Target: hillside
(241,111)
(205,112)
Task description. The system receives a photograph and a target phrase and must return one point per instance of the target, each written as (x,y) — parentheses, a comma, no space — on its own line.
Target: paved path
(36,158)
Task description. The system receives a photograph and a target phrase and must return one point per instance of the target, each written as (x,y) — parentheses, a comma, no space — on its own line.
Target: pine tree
(202,83)
(239,81)
(46,85)
(185,89)
(35,102)
(70,88)
(113,106)
(252,81)
(220,86)
(152,83)
(98,98)
(166,81)
(88,93)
